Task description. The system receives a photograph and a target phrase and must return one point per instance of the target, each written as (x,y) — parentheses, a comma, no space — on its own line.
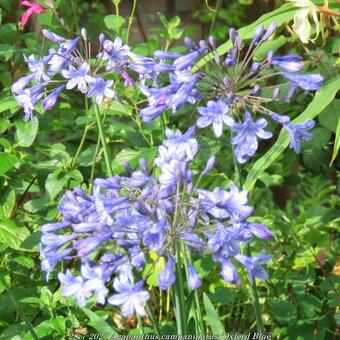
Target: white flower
(302,26)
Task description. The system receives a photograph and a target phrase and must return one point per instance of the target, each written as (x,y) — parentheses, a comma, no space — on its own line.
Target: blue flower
(89,244)
(290,63)
(21,83)
(166,278)
(53,241)
(223,204)
(184,143)
(180,90)
(78,77)
(130,297)
(74,286)
(37,67)
(253,264)
(193,279)
(29,97)
(222,242)
(49,102)
(246,138)
(258,230)
(95,278)
(229,272)
(154,236)
(172,174)
(51,258)
(114,52)
(308,82)
(100,88)
(210,164)
(216,113)
(299,133)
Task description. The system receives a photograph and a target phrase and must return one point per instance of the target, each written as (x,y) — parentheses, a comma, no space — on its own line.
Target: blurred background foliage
(297,196)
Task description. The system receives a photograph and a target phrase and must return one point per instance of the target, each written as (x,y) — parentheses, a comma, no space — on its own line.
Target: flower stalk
(102,139)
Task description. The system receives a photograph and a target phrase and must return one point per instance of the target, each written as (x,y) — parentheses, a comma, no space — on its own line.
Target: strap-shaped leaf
(213,318)
(336,143)
(322,99)
(99,323)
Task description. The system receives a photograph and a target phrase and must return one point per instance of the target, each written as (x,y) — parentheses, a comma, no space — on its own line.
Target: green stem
(80,147)
(140,324)
(153,318)
(94,165)
(102,139)
(179,297)
(255,297)
(134,5)
(19,309)
(256,302)
(218,5)
(198,311)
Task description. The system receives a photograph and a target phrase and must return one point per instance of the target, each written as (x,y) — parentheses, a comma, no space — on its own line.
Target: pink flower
(32,8)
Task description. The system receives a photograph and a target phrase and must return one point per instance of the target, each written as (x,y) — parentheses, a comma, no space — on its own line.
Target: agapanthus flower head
(69,64)
(127,218)
(235,86)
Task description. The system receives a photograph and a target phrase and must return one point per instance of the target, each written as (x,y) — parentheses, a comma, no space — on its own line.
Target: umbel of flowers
(235,87)
(112,232)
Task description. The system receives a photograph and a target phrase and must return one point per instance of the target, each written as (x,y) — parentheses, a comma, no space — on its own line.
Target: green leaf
(26,132)
(132,156)
(7,202)
(336,143)
(114,22)
(6,51)
(283,311)
(58,323)
(99,323)
(55,183)
(8,104)
(330,116)
(11,235)
(4,124)
(7,162)
(213,318)
(163,19)
(24,261)
(321,100)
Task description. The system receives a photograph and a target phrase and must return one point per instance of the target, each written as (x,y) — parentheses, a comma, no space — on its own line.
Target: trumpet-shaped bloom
(166,278)
(131,298)
(253,265)
(78,77)
(216,113)
(299,133)
(100,88)
(246,137)
(308,82)
(223,204)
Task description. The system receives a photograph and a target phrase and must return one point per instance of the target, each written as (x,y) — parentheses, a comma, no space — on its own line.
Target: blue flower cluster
(68,68)
(232,86)
(113,231)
